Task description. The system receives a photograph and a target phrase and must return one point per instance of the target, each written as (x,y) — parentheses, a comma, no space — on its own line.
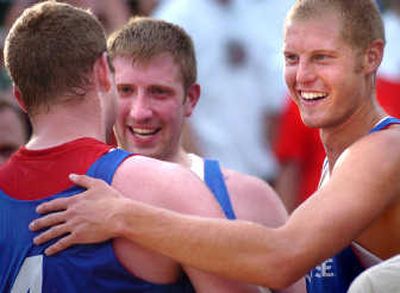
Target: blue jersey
(336,274)
(82,268)
(214,179)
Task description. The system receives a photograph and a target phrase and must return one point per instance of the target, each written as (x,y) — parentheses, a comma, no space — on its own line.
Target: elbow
(285,271)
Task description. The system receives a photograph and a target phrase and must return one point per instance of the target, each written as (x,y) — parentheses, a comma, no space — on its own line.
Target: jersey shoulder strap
(214,179)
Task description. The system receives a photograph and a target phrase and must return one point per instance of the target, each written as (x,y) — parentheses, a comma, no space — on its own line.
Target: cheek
(344,84)
(290,76)
(169,110)
(124,109)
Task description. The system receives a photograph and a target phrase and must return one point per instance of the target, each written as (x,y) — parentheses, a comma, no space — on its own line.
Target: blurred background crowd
(244,117)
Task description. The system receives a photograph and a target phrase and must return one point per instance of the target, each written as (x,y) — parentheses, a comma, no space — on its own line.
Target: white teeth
(142,131)
(312,96)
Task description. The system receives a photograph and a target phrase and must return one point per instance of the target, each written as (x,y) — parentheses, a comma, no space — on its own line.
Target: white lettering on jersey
(324,270)
(30,276)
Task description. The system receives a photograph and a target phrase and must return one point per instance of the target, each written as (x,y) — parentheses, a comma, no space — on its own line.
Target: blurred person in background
(143,7)
(14,128)
(388,78)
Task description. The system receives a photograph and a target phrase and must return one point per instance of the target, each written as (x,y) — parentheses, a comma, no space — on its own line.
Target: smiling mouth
(143,132)
(313,96)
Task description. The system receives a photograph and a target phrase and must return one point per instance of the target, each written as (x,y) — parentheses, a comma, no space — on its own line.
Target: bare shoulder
(164,184)
(366,174)
(375,155)
(254,199)
(383,142)
(144,173)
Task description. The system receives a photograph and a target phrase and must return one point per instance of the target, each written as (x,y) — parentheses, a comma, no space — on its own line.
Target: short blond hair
(361,19)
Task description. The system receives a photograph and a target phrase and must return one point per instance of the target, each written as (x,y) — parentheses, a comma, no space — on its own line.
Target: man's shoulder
(137,167)
(246,183)
(381,143)
(254,199)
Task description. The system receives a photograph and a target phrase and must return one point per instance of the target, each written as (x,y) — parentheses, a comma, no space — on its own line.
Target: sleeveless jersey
(214,179)
(210,172)
(335,274)
(82,268)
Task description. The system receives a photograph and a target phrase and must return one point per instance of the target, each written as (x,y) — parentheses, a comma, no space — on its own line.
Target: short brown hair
(143,38)
(50,51)
(361,19)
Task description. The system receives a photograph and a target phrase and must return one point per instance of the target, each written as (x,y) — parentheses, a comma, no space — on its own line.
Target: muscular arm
(199,202)
(138,173)
(328,221)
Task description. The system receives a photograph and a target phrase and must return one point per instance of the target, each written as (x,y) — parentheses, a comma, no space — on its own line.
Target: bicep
(359,190)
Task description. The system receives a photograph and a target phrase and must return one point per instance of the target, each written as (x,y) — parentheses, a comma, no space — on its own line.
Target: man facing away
(155,73)
(332,51)
(56,56)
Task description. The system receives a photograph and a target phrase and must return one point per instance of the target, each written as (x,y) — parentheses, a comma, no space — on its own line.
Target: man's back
(24,266)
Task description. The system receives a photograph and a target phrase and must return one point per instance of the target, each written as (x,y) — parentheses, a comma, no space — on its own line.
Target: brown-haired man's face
(153,106)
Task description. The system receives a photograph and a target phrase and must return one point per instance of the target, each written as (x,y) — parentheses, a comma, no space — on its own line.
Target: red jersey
(35,174)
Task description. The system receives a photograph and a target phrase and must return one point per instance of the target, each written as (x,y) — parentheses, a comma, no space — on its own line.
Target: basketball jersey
(335,274)
(81,268)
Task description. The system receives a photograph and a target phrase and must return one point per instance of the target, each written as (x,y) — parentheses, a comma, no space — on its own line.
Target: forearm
(239,250)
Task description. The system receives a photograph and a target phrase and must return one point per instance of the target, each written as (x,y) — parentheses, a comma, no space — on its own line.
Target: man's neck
(337,139)
(66,122)
(180,157)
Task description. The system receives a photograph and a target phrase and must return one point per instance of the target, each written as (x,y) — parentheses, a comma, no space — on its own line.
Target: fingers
(54,205)
(60,245)
(53,232)
(83,180)
(47,221)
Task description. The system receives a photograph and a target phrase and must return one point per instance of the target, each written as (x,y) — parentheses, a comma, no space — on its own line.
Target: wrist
(119,225)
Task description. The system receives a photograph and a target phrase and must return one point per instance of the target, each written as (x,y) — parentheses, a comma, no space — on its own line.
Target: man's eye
(291,58)
(125,90)
(157,91)
(321,57)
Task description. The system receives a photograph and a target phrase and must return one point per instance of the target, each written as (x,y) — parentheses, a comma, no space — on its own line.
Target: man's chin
(144,152)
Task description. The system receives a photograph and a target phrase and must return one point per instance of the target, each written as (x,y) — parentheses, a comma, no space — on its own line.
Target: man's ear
(191,99)
(102,73)
(373,56)
(18,96)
